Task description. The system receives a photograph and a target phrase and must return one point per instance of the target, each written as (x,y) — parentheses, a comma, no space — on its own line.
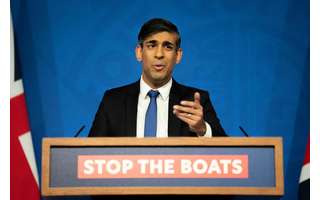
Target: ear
(179,56)
(139,52)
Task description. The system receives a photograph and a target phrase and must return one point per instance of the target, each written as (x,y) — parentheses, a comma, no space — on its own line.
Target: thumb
(197,97)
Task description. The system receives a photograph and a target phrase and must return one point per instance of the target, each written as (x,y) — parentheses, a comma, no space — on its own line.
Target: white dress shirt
(162,110)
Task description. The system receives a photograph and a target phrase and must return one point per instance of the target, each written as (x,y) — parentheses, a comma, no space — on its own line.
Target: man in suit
(156,105)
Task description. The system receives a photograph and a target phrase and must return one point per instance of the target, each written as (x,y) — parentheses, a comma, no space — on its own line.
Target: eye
(169,47)
(150,45)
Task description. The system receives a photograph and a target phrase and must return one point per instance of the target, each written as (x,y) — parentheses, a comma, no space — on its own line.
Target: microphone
(79,131)
(243,131)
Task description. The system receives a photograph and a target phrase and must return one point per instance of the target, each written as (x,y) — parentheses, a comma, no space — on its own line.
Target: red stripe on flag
(18,114)
(307,156)
(23,185)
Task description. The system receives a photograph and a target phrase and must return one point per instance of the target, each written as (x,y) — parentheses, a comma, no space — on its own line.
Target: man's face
(158,55)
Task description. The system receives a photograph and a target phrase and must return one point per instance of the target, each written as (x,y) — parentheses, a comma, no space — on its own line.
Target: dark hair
(157,25)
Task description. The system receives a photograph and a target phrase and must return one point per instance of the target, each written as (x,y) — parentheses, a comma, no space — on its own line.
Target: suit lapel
(131,109)
(174,124)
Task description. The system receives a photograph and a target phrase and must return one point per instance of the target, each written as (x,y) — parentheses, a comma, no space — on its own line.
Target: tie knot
(153,93)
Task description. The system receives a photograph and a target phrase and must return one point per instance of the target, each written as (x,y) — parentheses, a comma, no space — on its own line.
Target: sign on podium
(162,166)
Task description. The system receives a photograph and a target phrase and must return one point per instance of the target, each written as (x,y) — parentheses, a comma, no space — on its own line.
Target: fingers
(191,104)
(185,119)
(197,98)
(196,124)
(185,109)
(191,112)
(191,116)
(190,107)
(195,103)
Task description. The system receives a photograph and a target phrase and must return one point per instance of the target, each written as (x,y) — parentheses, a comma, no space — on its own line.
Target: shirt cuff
(208,131)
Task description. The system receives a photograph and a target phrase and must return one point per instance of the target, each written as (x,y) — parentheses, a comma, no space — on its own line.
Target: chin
(158,78)
(161,81)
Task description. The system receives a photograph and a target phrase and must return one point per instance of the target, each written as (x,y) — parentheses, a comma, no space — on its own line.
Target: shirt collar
(163,90)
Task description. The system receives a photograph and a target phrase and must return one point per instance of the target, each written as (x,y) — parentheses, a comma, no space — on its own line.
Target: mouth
(159,67)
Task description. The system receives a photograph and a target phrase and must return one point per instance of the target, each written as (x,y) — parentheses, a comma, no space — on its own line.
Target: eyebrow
(152,42)
(168,43)
(155,42)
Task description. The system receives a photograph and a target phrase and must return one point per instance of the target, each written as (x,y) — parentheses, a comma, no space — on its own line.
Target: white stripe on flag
(27,146)
(305,173)
(16,88)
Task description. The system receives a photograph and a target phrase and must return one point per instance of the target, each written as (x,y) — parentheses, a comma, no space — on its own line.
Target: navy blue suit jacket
(117,113)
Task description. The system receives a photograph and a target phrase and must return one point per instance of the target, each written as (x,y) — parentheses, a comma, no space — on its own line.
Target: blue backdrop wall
(251,55)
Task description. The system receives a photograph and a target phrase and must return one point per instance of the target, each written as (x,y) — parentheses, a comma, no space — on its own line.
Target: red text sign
(162,166)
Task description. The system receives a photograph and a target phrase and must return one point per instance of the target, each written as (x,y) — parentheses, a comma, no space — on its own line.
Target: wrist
(202,130)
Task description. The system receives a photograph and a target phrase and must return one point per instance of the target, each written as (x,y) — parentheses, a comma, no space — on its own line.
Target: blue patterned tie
(150,125)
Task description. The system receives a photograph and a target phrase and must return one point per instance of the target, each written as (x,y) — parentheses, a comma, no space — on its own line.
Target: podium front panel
(237,166)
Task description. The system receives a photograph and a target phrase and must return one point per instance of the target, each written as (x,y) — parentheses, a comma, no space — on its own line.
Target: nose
(159,53)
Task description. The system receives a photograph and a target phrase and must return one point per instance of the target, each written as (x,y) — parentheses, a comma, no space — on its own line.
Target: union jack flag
(24,184)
